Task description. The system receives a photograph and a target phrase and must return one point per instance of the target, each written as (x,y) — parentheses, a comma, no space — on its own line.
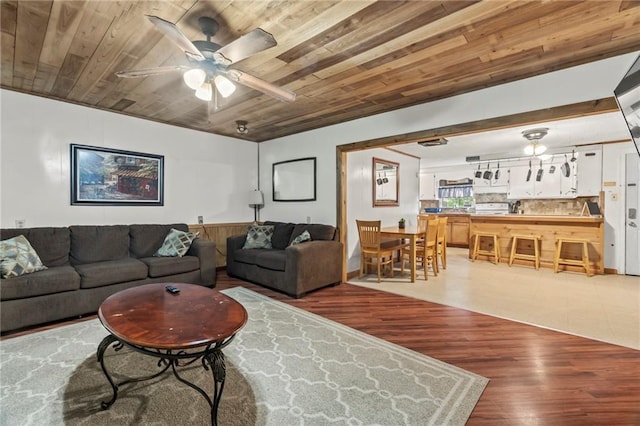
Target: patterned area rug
(285,367)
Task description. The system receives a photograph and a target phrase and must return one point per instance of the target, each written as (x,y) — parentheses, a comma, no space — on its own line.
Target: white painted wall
(595,80)
(360,196)
(205,174)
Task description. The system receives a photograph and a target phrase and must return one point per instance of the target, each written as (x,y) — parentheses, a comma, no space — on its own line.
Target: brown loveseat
(291,269)
(86,264)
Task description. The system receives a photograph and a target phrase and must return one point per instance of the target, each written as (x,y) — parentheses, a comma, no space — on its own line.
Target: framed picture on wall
(111,177)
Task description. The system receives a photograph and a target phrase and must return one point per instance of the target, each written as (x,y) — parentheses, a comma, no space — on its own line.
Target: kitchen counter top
(539,218)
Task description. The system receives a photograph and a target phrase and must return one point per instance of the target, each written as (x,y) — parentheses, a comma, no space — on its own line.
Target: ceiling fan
(209,62)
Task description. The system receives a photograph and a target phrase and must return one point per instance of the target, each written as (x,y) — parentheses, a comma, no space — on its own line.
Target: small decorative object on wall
(295,180)
(111,177)
(386,183)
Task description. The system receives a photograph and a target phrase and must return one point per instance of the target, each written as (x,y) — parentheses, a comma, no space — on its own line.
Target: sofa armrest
(314,263)
(235,242)
(205,251)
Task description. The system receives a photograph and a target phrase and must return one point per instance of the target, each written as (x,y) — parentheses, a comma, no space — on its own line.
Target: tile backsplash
(555,206)
(572,206)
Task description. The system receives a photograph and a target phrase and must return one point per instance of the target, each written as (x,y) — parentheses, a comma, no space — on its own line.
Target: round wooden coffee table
(181,328)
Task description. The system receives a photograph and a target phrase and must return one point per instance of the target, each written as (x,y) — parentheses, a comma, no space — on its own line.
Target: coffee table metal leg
(216,361)
(102,347)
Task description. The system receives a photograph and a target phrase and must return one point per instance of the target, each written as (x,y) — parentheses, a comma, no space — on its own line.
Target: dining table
(410,233)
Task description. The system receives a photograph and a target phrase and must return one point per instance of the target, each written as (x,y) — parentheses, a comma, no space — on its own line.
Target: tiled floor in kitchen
(601,307)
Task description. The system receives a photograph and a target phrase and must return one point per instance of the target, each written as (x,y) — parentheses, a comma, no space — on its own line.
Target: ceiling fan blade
(170,30)
(145,72)
(247,45)
(265,87)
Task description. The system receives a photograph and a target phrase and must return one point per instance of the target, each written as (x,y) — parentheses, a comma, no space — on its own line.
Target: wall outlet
(20,223)
(200,220)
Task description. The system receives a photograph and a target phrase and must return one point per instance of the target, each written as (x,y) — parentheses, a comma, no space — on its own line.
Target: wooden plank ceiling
(344,59)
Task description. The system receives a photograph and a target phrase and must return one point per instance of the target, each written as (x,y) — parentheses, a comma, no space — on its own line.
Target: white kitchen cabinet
(568,184)
(589,180)
(428,186)
(482,185)
(519,187)
(550,185)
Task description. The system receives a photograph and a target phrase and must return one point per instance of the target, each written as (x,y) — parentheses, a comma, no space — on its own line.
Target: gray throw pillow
(258,236)
(17,257)
(305,236)
(176,243)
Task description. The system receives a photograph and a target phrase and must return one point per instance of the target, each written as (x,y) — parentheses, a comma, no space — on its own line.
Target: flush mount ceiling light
(434,142)
(241,127)
(535,148)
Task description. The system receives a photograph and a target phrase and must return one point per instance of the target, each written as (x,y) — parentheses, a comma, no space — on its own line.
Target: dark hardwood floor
(537,376)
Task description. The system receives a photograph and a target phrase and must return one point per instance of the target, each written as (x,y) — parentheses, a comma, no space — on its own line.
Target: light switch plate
(200,220)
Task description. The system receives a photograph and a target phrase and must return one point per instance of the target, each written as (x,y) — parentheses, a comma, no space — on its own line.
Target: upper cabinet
(428,186)
(555,179)
(491,179)
(589,172)
(570,175)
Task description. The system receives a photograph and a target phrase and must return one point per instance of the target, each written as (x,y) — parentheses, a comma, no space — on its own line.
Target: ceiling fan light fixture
(205,92)
(194,78)
(224,86)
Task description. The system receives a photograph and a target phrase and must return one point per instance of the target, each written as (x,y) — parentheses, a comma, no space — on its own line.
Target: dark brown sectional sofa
(86,264)
(294,270)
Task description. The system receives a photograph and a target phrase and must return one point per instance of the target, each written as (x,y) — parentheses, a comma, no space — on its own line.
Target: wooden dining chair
(427,251)
(442,242)
(371,252)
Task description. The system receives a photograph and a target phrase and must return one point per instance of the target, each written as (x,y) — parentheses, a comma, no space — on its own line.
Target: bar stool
(495,252)
(535,239)
(584,261)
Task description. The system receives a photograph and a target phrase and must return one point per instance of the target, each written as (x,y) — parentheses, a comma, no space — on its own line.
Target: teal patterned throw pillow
(258,236)
(17,257)
(305,236)
(176,243)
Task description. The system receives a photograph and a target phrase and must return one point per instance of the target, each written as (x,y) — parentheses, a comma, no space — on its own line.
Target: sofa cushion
(258,236)
(53,280)
(164,266)
(51,244)
(247,256)
(146,239)
(317,231)
(176,243)
(281,234)
(272,259)
(90,244)
(17,257)
(99,274)
(305,236)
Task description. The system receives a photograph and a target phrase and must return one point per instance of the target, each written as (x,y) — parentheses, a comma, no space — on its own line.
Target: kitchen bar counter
(550,228)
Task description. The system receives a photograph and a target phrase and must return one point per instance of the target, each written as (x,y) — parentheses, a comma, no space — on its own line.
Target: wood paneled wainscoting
(549,228)
(218,233)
